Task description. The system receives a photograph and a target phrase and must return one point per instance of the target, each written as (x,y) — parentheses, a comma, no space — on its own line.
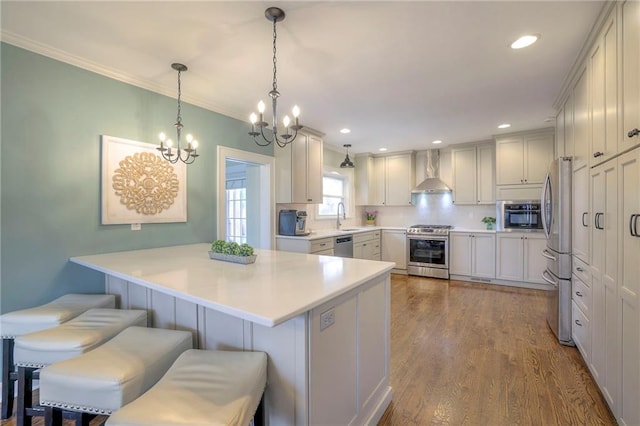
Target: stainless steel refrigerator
(556,222)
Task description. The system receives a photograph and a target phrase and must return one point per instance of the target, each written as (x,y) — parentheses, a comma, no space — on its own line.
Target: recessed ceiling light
(504,126)
(345,131)
(437,142)
(524,41)
(382,149)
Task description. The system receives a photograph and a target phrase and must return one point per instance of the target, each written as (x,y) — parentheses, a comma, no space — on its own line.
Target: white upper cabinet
(385,180)
(581,120)
(630,19)
(299,170)
(473,175)
(604,94)
(524,158)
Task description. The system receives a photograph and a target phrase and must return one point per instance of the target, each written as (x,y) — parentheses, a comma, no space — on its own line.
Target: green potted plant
(370,218)
(232,252)
(489,221)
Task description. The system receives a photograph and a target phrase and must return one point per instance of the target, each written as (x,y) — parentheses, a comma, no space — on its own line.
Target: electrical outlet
(327,319)
(136,226)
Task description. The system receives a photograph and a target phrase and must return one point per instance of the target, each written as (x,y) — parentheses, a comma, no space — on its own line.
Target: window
(237,210)
(334,191)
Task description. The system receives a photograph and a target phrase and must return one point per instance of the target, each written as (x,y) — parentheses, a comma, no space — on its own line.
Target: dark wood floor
(476,354)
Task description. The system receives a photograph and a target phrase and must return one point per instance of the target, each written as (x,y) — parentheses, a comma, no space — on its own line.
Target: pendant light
(274,14)
(347,163)
(186,154)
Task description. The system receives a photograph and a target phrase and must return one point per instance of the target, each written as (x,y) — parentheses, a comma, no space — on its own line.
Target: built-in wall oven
(428,249)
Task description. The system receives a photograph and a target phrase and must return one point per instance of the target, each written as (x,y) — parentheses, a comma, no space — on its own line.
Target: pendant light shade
(347,163)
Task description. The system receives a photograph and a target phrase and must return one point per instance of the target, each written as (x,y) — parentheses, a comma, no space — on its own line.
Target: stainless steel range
(428,248)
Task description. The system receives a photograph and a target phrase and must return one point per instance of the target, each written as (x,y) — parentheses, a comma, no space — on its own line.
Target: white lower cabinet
(394,247)
(322,246)
(582,307)
(472,254)
(366,245)
(519,258)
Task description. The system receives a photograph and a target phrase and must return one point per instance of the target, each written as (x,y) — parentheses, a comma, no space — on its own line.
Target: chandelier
(189,154)
(274,14)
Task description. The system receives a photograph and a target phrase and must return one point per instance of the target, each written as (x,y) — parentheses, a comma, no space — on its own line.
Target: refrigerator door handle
(549,280)
(543,198)
(545,253)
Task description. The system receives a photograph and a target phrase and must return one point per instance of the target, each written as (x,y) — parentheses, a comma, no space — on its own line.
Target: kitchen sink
(349,229)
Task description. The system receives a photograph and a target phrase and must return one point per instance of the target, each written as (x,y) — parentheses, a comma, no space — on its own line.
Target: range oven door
(430,251)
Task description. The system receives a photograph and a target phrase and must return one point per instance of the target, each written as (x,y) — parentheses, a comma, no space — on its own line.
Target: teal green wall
(52,117)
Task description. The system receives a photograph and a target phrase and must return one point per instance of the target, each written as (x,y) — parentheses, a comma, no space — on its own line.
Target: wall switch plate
(327,319)
(136,226)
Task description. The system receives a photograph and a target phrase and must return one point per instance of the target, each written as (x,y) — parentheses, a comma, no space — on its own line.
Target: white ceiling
(399,74)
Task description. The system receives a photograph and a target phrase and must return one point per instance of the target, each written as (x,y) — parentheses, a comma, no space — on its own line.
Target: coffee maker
(292,222)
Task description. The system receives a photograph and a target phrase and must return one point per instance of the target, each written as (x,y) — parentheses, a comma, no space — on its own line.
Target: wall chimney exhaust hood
(432,184)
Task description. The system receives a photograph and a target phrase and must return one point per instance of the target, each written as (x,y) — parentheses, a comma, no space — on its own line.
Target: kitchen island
(323,320)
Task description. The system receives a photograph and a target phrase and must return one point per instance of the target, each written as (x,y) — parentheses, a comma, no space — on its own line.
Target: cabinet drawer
(580,330)
(376,234)
(322,244)
(362,236)
(581,294)
(582,271)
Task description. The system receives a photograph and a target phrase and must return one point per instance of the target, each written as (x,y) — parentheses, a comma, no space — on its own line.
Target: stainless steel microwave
(519,216)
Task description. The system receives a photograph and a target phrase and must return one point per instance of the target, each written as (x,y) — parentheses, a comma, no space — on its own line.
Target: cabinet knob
(578,294)
(598,154)
(634,132)
(309,199)
(580,269)
(578,323)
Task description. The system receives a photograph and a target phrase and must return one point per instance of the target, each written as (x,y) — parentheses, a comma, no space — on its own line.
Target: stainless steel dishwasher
(343,246)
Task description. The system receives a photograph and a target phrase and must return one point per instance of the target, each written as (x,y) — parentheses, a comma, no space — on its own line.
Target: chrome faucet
(344,215)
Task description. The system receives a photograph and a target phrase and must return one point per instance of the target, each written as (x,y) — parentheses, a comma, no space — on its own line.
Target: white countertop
(277,287)
(326,233)
(474,230)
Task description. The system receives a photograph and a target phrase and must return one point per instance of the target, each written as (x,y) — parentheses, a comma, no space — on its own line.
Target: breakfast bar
(322,320)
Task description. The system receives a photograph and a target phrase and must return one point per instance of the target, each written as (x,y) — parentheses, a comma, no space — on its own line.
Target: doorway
(245,195)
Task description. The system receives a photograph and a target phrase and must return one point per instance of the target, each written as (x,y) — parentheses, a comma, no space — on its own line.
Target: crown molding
(112,73)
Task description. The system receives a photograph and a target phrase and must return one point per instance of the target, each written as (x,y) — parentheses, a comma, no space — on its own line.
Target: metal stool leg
(8,378)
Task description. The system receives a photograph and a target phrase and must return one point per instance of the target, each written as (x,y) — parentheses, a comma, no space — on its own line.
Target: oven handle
(427,237)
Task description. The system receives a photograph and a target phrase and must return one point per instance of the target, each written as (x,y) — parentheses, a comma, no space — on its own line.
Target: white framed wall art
(139,186)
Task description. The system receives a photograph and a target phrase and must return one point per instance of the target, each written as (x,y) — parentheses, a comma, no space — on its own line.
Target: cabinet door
(299,169)
(399,177)
(629,284)
(394,247)
(630,73)
(364,180)
(464,175)
(538,156)
(510,257)
(581,121)
(534,263)
(581,217)
(509,161)
(560,148)
(484,255)
(486,158)
(568,126)
(378,196)
(358,251)
(460,253)
(314,169)
(604,95)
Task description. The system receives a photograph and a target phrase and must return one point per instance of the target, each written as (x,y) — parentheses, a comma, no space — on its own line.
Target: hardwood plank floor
(477,354)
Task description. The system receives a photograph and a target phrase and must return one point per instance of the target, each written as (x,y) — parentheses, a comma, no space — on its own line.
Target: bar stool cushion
(201,388)
(51,314)
(114,374)
(77,336)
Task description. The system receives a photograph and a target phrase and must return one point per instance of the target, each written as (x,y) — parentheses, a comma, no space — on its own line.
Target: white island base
(323,321)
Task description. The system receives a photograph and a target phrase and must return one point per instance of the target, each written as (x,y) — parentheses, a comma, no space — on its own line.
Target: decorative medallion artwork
(139,186)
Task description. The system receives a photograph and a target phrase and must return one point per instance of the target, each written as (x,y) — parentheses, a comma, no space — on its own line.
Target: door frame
(267,192)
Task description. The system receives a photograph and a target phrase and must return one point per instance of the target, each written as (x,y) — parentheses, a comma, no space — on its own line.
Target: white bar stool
(82,334)
(202,388)
(38,318)
(116,373)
